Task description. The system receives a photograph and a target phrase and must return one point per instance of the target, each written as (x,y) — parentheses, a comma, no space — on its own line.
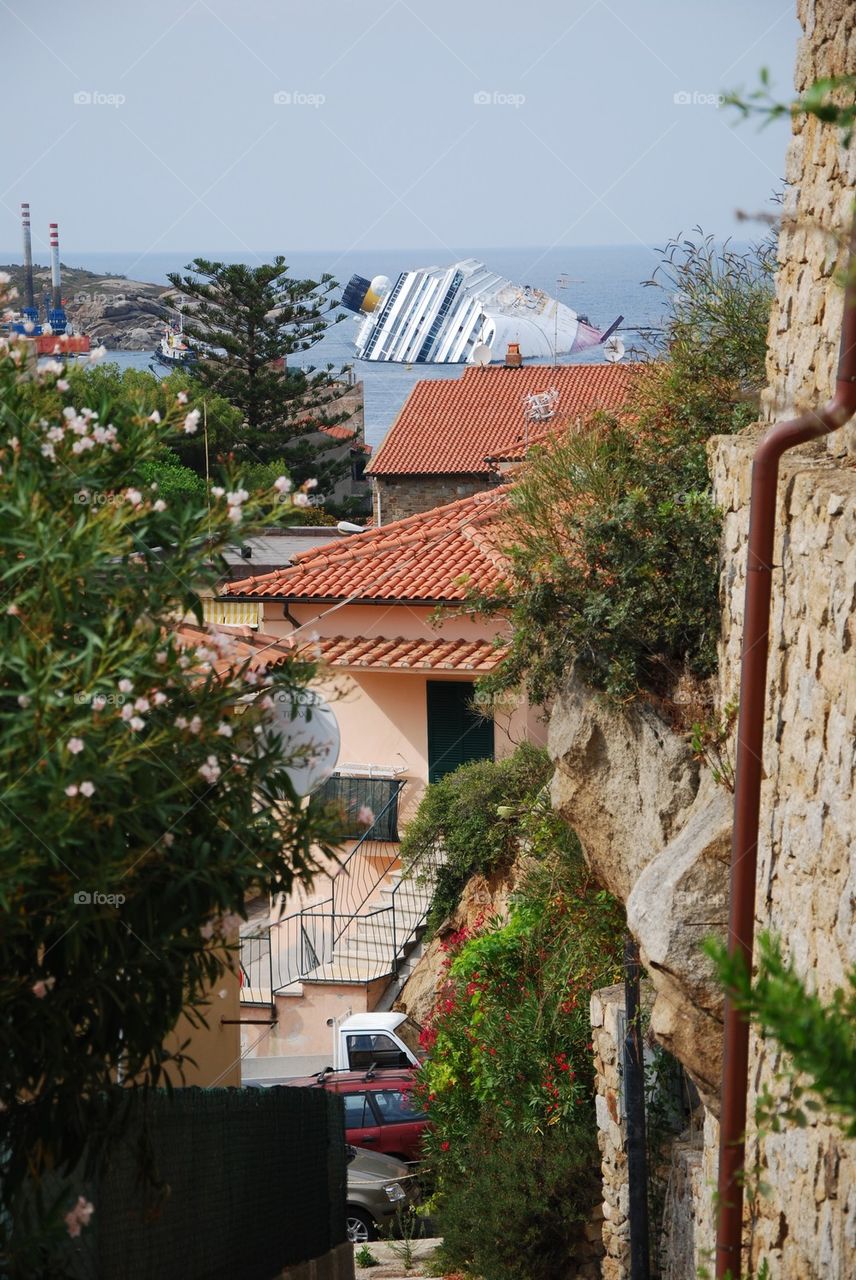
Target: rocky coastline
(118,313)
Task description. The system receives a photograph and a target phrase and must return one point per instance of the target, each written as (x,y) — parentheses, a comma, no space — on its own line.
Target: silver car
(378,1186)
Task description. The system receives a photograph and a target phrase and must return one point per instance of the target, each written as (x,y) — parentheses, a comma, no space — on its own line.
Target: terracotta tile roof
(449,426)
(340,431)
(427,654)
(244,643)
(438,555)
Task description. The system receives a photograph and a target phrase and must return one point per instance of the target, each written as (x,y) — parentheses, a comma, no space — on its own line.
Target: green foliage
(171,478)
(831,99)
(509,1079)
(819,1038)
(516,1212)
(249,320)
(710,741)
(363,1257)
(460,812)
(139,803)
(612,533)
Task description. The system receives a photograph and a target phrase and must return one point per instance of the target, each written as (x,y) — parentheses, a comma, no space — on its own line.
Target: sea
(600,282)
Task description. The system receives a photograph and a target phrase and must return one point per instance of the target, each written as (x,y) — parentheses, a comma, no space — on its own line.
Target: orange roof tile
(244,644)
(449,426)
(340,431)
(400,654)
(438,555)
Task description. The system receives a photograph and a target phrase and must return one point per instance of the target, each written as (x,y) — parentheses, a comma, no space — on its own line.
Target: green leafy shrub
(612,533)
(140,805)
(516,1211)
(819,1037)
(460,813)
(509,1080)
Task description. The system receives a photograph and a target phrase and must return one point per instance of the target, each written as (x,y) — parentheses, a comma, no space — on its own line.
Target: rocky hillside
(121,314)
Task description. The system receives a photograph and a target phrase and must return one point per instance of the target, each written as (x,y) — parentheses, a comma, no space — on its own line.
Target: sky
(209,126)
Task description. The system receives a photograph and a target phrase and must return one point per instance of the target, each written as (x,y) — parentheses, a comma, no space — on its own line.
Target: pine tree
(247,322)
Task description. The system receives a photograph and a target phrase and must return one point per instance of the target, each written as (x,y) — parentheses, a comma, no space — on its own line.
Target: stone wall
(806,885)
(394,498)
(606,1007)
(817,212)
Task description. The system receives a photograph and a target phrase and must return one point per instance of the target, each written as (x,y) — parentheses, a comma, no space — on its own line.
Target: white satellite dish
(309,732)
(481,354)
(613,349)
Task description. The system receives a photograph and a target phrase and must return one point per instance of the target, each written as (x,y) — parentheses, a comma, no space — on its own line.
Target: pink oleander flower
(78,1217)
(195,724)
(282,484)
(310,484)
(191,422)
(160,657)
(71,790)
(142,704)
(154,416)
(42,987)
(127,711)
(365,816)
(182,397)
(134,496)
(125,685)
(136,723)
(87,789)
(160,505)
(210,770)
(62,384)
(224,730)
(75,746)
(300,500)
(159,698)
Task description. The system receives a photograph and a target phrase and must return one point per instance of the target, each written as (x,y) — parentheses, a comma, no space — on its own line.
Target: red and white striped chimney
(56,293)
(28,257)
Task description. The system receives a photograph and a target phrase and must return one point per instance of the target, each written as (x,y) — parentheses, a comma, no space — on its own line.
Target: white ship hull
(442,315)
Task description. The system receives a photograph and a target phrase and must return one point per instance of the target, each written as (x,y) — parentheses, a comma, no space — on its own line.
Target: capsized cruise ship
(463,314)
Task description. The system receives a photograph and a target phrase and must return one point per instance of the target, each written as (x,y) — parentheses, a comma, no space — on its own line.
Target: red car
(381,1113)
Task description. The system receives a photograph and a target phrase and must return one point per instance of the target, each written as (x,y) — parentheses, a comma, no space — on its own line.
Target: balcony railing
(352,794)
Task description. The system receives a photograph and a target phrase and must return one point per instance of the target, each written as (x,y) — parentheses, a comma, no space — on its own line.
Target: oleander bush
(143,790)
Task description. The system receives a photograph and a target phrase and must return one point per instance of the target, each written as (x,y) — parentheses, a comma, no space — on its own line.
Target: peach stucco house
(398,660)
(381,611)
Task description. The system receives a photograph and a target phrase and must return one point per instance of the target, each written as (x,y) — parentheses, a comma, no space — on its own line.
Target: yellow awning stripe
(232,613)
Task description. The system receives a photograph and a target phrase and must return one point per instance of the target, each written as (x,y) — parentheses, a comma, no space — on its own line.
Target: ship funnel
(56,293)
(29,307)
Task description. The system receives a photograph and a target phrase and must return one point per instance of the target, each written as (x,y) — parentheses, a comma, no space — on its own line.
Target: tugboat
(173,350)
(53,336)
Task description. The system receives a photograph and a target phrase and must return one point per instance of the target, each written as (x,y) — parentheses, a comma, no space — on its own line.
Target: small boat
(173,350)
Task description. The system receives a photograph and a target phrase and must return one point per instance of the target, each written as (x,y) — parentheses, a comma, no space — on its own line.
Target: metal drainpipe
(749,768)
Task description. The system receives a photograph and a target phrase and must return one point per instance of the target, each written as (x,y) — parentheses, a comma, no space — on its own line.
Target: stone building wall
(817,212)
(393,499)
(806,885)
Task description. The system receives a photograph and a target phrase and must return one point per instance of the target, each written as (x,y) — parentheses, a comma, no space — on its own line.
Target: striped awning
(232,613)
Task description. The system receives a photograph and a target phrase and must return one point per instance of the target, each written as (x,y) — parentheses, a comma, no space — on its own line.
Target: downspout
(749,767)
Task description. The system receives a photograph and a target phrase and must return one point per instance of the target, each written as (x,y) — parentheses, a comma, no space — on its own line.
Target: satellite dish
(481,354)
(309,732)
(380,285)
(613,349)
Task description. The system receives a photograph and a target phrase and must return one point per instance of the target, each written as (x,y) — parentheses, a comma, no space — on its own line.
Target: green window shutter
(456,733)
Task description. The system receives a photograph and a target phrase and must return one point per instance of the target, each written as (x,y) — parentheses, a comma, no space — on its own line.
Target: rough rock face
(482,896)
(123,315)
(680,899)
(624,781)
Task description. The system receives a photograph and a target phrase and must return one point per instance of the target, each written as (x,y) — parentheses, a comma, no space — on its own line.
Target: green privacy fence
(218,1184)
